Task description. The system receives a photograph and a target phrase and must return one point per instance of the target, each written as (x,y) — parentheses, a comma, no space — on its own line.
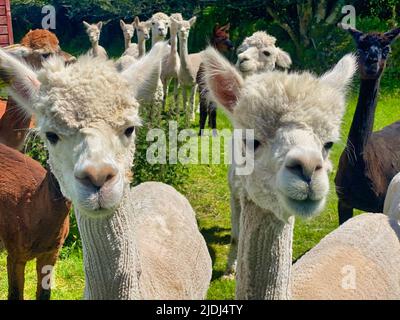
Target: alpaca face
(252,59)
(159,25)
(128,30)
(87,114)
(295,118)
(143,30)
(93,31)
(373,49)
(183,27)
(221,39)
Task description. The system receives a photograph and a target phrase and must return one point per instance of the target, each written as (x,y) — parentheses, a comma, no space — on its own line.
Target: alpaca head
(258,53)
(142,29)
(373,49)
(38,45)
(174,25)
(128,29)
(159,25)
(296,118)
(93,31)
(183,27)
(220,39)
(86,113)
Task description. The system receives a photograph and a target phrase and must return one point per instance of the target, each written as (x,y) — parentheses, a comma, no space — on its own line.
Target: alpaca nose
(304,164)
(243,59)
(96,176)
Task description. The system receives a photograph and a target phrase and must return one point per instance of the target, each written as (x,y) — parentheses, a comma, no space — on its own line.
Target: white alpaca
(257,53)
(93,31)
(139,243)
(131,52)
(171,64)
(392,201)
(189,67)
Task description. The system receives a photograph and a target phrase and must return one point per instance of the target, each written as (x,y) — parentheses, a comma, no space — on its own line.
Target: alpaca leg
(212,118)
(176,96)
(345,212)
(165,83)
(16,278)
(233,249)
(44,267)
(185,105)
(203,113)
(192,102)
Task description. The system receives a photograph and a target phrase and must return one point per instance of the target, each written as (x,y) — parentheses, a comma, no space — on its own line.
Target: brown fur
(34,220)
(15,123)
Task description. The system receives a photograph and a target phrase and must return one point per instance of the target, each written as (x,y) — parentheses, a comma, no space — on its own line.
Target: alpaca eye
(52,137)
(254,143)
(267,53)
(128,132)
(328,146)
(46,55)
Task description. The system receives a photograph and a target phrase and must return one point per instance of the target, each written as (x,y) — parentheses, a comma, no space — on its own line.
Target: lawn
(207,191)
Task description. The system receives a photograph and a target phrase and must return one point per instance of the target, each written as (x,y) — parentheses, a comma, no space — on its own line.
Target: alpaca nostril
(304,166)
(244,59)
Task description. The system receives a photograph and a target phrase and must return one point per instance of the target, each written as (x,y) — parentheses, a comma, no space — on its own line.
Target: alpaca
(392,200)
(219,40)
(131,52)
(371,159)
(139,243)
(159,27)
(34,220)
(189,67)
(93,31)
(295,119)
(257,53)
(142,31)
(171,65)
(35,46)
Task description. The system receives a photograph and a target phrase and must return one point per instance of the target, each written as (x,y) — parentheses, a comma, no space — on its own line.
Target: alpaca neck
(96,48)
(264,256)
(14,125)
(183,53)
(111,263)
(127,43)
(155,39)
(142,46)
(363,121)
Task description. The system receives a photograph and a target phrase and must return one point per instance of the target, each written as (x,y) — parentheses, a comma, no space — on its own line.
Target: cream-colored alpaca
(93,31)
(139,243)
(189,67)
(131,52)
(359,260)
(143,34)
(171,64)
(257,53)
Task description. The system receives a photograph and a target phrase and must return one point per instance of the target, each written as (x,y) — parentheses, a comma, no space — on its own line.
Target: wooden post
(6,32)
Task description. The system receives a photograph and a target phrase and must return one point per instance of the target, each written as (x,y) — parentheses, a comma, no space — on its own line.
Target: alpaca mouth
(304,208)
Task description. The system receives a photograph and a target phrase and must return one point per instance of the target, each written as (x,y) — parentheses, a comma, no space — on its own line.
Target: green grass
(207,191)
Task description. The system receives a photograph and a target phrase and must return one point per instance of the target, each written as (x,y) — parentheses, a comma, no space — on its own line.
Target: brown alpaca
(34,46)
(371,159)
(34,220)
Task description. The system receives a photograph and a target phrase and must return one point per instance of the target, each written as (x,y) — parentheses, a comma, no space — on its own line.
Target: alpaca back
(174,257)
(359,260)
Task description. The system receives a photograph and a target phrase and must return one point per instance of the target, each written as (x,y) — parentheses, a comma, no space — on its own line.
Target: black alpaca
(371,159)
(220,40)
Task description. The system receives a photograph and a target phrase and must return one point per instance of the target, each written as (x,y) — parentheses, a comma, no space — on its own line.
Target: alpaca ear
(136,22)
(99,25)
(283,59)
(341,75)
(226,27)
(144,74)
(122,24)
(18,50)
(192,21)
(222,79)
(356,34)
(392,35)
(21,80)
(87,25)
